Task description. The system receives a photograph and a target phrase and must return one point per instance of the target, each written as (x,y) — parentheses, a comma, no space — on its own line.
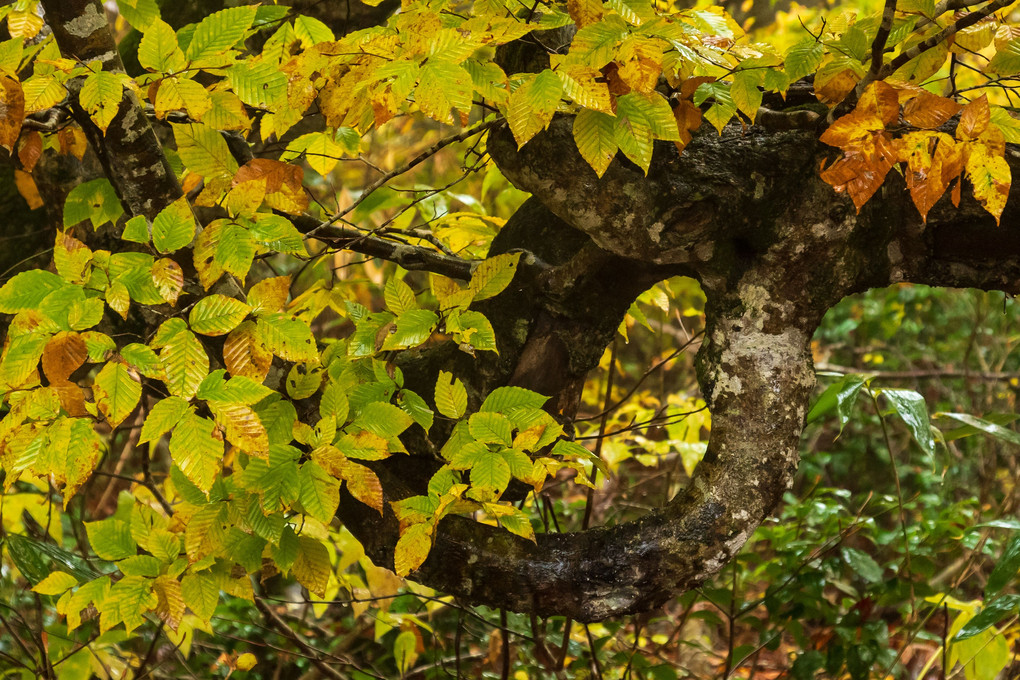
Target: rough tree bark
(773,247)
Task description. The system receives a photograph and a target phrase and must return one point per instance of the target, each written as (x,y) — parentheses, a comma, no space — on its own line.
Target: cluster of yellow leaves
(934,160)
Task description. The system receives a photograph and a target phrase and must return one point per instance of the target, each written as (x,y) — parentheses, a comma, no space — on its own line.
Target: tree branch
(943,35)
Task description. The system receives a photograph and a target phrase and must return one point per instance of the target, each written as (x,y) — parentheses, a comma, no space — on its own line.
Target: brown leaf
(12,111)
(30,150)
(584,12)
(63,355)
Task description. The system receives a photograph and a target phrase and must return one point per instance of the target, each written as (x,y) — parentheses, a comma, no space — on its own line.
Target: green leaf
(33,557)
(444,87)
(220,31)
(201,593)
(413,327)
(415,406)
(117,392)
(840,395)
(993,612)
(174,227)
(111,539)
(136,230)
(236,250)
(217,315)
(185,488)
(278,234)
(140,13)
(398,296)
(472,328)
(863,565)
(634,134)
(100,95)
(491,472)
(286,337)
(162,418)
(912,409)
(262,85)
(204,151)
(319,493)
(197,450)
(1005,569)
(185,364)
(311,31)
(142,358)
(532,106)
(803,59)
(507,399)
(490,428)
(27,290)
(451,397)
(986,426)
(158,49)
(595,136)
(95,200)
(596,45)
(384,420)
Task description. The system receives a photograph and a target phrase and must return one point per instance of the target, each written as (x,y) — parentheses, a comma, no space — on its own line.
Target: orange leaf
(364,485)
(688,119)
(974,119)
(929,111)
(880,100)
(859,175)
(28,189)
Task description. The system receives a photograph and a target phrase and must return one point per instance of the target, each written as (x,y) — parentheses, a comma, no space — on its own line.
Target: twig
(878,46)
(281,626)
(396,172)
(943,35)
(407,256)
(921,373)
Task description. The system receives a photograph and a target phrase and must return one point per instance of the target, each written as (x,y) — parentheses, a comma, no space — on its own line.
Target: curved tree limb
(771,267)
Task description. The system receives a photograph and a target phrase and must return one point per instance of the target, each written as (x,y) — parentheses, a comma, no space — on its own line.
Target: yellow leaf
(412,548)
(246,662)
(55,584)
(242,427)
(991,178)
(245,354)
(312,568)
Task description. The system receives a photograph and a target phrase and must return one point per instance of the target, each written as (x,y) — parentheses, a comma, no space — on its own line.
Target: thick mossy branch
(774,247)
(129,151)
